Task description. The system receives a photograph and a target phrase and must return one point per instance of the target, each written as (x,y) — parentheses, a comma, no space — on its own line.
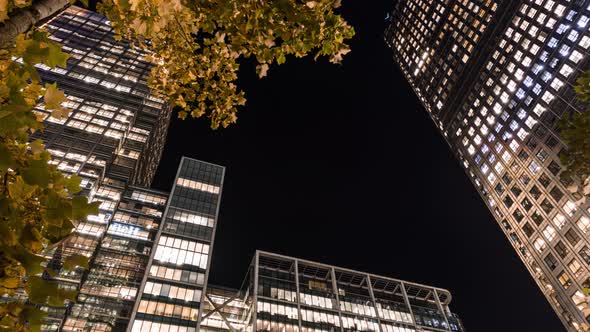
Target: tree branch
(24,19)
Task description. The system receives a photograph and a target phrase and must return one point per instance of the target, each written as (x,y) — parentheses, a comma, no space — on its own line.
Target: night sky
(342,165)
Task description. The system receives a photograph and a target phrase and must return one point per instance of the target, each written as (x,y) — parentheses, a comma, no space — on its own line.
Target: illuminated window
(198,185)
(539,244)
(549,233)
(576,268)
(179,251)
(583,223)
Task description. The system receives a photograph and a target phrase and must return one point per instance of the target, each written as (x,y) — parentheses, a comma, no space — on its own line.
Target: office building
(172,290)
(113,139)
(496,76)
(116,128)
(149,251)
(283,293)
(150,265)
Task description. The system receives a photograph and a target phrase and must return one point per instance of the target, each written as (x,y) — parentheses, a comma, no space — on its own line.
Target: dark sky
(341,164)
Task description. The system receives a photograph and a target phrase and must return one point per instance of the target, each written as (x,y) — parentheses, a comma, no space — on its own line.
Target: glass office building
(283,293)
(496,76)
(120,254)
(149,251)
(224,309)
(150,261)
(172,290)
(115,125)
(113,139)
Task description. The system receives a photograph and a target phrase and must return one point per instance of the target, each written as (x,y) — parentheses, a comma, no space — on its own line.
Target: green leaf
(31,238)
(54,234)
(40,290)
(81,208)
(6,159)
(34,317)
(76,260)
(31,262)
(56,57)
(37,173)
(57,209)
(72,184)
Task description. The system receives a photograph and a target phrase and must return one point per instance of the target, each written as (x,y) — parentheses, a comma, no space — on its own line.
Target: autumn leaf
(76,260)
(56,57)
(36,206)
(53,96)
(262,70)
(3,10)
(81,208)
(37,147)
(37,173)
(196,49)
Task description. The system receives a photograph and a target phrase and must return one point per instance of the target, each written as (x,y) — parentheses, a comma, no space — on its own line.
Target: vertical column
(409,305)
(444,313)
(370,287)
(335,290)
(298,295)
(255,297)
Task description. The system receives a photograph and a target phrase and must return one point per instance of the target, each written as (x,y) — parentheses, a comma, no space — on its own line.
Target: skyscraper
(150,251)
(150,266)
(496,76)
(173,288)
(113,139)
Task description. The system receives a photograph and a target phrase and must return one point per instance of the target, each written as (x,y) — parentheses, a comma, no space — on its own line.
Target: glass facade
(501,123)
(150,251)
(150,259)
(223,310)
(173,288)
(115,127)
(110,286)
(113,139)
(288,294)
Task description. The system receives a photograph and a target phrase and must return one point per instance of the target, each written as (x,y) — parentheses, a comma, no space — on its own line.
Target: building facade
(283,293)
(113,139)
(149,251)
(173,289)
(496,76)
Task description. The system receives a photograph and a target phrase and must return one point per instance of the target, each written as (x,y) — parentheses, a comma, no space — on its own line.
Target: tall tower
(113,139)
(496,76)
(174,286)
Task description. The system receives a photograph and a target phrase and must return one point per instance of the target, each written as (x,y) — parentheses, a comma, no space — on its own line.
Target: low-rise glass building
(282,293)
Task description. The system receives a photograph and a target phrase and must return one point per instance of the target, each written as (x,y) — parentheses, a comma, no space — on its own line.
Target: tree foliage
(196,45)
(575,131)
(37,210)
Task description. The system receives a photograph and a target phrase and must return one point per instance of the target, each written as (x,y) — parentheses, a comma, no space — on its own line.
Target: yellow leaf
(53,96)
(22,3)
(21,42)
(10,282)
(139,26)
(3,10)
(37,146)
(262,69)
(134,4)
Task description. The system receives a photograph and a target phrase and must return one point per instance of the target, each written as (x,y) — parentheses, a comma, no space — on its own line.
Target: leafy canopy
(196,45)
(575,131)
(37,210)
